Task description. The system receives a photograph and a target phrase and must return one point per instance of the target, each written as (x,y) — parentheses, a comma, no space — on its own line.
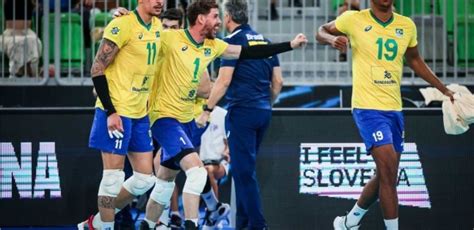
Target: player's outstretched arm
(328,34)
(263,51)
(105,55)
(416,62)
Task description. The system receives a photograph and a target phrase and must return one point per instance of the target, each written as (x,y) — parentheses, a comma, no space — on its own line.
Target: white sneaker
(340,224)
(223,211)
(213,217)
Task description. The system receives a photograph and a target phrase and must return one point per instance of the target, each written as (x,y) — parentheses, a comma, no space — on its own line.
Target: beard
(210,32)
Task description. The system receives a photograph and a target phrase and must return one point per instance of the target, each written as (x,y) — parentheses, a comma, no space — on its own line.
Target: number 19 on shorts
(378,136)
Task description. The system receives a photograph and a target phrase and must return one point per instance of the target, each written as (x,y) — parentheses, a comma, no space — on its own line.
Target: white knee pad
(112,180)
(162,192)
(195,181)
(139,183)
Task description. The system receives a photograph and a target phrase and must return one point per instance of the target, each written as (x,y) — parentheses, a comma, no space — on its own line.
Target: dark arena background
(312,163)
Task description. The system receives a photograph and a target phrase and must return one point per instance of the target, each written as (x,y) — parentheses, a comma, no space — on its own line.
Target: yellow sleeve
(220,46)
(413,39)
(166,38)
(344,22)
(118,31)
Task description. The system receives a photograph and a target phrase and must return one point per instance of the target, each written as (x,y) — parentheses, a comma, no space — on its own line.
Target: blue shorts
(197,134)
(380,128)
(136,137)
(175,139)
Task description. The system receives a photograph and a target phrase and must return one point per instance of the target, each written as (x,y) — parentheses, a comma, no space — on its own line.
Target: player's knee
(162,191)
(112,180)
(195,181)
(139,183)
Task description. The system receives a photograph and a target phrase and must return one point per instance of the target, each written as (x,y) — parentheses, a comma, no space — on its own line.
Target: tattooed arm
(104,57)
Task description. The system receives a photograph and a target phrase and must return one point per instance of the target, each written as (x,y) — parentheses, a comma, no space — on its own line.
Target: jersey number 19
(391,49)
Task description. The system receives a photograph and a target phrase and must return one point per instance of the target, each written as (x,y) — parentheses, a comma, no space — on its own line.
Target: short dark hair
(200,7)
(237,10)
(173,14)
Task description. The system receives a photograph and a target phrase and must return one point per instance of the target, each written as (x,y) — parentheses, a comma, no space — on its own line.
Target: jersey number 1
(391,48)
(151,47)
(196,63)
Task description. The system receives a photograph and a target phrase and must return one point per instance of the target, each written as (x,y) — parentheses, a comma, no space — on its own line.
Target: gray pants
(22,47)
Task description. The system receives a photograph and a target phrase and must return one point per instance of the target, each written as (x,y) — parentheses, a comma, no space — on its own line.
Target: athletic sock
(151,224)
(210,199)
(391,224)
(355,215)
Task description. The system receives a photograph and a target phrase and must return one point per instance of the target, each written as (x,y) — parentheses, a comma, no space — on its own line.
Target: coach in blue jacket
(250,87)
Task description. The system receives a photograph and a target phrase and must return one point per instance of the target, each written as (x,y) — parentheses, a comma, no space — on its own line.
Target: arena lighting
(341,170)
(29,185)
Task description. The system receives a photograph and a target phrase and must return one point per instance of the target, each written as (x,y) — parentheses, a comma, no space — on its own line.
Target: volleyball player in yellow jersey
(379,39)
(122,73)
(184,55)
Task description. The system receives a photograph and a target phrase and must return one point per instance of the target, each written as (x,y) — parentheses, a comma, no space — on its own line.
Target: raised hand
(299,41)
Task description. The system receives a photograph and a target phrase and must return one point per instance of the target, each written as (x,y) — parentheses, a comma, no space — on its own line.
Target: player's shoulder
(173,34)
(123,20)
(214,42)
(235,36)
(156,22)
(354,13)
(404,19)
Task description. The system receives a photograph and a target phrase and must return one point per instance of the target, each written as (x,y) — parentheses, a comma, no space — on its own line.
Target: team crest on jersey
(399,32)
(207,52)
(157,34)
(368,28)
(140,36)
(115,30)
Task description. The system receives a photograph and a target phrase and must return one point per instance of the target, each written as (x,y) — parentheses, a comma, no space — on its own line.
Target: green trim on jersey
(198,45)
(140,20)
(384,24)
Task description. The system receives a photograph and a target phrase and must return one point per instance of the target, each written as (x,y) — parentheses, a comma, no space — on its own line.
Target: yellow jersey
(182,63)
(131,73)
(377,57)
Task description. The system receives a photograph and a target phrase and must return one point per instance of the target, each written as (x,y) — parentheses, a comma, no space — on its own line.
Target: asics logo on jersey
(115,30)
(184,48)
(140,36)
(368,28)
